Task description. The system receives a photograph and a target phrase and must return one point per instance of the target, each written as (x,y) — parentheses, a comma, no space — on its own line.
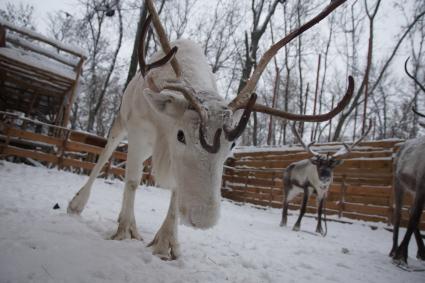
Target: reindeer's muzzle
(201,217)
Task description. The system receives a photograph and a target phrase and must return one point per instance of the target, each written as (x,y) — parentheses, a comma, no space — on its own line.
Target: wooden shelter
(38,76)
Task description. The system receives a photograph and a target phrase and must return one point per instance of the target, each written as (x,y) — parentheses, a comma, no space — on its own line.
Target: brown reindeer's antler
(347,149)
(306,147)
(243,99)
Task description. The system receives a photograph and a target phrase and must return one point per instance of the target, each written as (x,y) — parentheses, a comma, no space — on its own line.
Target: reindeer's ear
(314,160)
(337,162)
(166,103)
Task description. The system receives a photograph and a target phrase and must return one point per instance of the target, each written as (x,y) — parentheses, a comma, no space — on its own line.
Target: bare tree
(252,44)
(22,15)
(380,74)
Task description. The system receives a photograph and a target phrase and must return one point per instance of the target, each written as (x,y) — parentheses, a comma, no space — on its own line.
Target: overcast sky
(388,23)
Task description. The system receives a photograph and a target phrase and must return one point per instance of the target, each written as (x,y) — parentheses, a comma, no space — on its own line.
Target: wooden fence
(362,187)
(54,146)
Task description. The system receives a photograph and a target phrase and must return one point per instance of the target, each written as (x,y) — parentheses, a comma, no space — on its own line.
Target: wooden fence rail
(362,187)
(60,147)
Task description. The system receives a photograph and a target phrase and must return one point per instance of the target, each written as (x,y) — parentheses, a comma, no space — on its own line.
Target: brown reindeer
(312,176)
(409,177)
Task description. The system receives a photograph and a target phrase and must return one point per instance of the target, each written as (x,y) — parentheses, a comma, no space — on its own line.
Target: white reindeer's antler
(179,85)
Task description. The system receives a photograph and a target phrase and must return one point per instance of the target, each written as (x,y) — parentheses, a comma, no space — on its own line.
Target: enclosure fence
(54,146)
(362,187)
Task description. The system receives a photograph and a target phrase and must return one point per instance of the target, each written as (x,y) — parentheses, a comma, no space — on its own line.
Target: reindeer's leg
(421,247)
(401,252)
(419,241)
(302,210)
(319,228)
(138,151)
(116,134)
(398,199)
(165,243)
(285,207)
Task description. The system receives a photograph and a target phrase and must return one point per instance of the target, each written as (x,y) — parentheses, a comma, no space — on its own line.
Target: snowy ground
(39,244)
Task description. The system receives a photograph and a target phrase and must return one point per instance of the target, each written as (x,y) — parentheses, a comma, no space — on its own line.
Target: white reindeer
(170,112)
(409,177)
(312,176)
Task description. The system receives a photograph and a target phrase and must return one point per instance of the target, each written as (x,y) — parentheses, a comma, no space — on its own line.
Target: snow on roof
(37,62)
(67,47)
(69,60)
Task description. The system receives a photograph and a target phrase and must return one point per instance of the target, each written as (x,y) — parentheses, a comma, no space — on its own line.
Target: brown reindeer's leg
(319,217)
(398,199)
(287,187)
(401,252)
(285,210)
(302,210)
(421,248)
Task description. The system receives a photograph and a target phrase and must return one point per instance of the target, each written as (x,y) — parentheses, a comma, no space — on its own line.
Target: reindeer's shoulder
(295,166)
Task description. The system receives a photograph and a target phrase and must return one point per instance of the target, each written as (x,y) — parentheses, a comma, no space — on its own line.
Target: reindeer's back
(410,168)
(195,67)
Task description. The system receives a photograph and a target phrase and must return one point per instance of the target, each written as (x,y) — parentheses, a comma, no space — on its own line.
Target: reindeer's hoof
(421,255)
(282,224)
(400,258)
(320,231)
(127,232)
(165,247)
(74,207)
(296,228)
(78,202)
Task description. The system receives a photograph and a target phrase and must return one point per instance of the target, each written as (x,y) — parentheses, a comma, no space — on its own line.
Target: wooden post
(246,187)
(271,189)
(72,93)
(108,167)
(62,149)
(7,141)
(2,36)
(341,206)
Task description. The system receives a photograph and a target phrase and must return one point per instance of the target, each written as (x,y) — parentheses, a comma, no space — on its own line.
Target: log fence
(55,146)
(362,187)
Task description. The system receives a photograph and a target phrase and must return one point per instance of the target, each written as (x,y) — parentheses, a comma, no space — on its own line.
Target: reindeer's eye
(180,137)
(233,145)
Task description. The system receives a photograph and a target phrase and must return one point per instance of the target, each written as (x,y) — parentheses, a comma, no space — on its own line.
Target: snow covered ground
(39,244)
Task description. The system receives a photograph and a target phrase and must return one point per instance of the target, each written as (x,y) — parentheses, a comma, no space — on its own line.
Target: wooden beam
(50,74)
(73,93)
(32,75)
(42,38)
(2,36)
(36,49)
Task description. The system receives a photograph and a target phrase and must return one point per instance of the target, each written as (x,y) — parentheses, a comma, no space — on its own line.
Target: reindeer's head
(200,129)
(326,163)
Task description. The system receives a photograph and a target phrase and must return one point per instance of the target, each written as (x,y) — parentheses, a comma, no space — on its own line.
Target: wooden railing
(362,187)
(55,146)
